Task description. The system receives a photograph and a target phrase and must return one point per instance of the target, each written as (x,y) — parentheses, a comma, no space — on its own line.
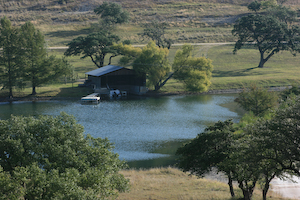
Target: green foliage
(38,68)
(195,73)
(49,157)
(290,92)
(128,52)
(156,31)
(254,6)
(257,100)
(281,136)
(210,149)
(269,33)
(154,63)
(111,14)
(273,144)
(95,46)
(25,58)
(10,61)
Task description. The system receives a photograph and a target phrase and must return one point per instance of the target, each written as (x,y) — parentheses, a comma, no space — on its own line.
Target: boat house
(116,77)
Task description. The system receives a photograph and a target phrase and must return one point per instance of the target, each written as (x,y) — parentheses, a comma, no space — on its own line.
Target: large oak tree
(270,32)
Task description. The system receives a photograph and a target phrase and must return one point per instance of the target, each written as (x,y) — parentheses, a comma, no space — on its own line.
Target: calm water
(146,132)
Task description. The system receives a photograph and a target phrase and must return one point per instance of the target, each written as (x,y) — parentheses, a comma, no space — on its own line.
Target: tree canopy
(154,63)
(37,67)
(10,61)
(95,46)
(49,157)
(98,44)
(270,33)
(24,58)
(111,14)
(194,72)
(257,100)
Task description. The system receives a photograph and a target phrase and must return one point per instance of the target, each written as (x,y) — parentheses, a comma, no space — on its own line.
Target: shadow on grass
(245,72)
(69,33)
(74,92)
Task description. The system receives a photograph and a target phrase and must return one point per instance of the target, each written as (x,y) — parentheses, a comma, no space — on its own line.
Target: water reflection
(147,130)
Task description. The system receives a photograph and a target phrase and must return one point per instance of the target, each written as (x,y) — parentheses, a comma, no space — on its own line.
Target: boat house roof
(104,70)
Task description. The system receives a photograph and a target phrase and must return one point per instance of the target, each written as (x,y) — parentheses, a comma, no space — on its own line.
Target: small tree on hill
(156,32)
(111,14)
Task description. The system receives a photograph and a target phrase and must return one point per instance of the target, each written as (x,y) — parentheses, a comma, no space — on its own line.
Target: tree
(127,51)
(95,45)
(221,146)
(280,136)
(37,67)
(258,153)
(50,157)
(270,33)
(154,63)
(10,61)
(156,32)
(257,100)
(111,14)
(194,72)
(208,150)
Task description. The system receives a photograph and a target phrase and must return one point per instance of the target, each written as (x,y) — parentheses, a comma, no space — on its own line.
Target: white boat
(92,98)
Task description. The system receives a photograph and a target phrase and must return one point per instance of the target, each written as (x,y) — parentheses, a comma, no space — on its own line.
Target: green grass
(171,183)
(230,71)
(52,90)
(236,71)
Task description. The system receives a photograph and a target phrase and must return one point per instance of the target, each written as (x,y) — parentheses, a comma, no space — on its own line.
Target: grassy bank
(231,71)
(171,183)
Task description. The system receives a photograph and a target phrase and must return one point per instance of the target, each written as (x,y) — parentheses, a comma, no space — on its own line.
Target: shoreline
(148,94)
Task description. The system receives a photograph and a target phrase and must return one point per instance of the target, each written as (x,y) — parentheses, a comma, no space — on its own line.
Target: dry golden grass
(171,183)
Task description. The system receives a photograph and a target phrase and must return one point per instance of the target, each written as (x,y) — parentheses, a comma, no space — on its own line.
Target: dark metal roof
(104,70)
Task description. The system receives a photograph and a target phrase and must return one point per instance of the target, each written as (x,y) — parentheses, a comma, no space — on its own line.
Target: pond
(145,131)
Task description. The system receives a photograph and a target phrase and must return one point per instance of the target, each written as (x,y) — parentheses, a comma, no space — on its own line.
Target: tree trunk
(159,85)
(262,61)
(10,92)
(267,186)
(230,186)
(247,194)
(247,189)
(33,90)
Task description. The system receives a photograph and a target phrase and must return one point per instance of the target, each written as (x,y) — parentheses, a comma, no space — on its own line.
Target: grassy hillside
(199,21)
(189,21)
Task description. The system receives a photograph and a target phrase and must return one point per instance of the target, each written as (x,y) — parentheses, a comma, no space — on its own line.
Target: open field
(170,183)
